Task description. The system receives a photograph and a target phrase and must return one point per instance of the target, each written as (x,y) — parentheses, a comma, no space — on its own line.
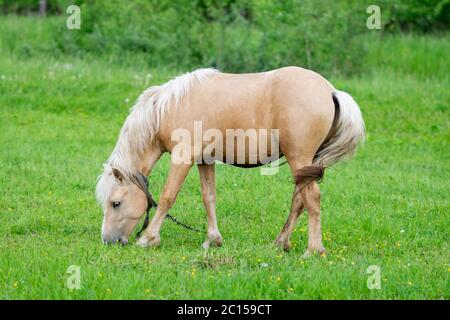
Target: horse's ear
(118,175)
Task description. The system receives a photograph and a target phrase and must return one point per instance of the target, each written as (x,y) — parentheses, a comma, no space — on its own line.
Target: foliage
(417,15)
(232,35)
(235,36)
(30,7)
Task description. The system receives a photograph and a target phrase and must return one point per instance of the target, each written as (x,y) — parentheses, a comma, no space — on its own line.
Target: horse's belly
(246,148)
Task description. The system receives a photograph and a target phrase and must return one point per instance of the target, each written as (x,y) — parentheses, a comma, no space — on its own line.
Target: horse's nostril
(123,241)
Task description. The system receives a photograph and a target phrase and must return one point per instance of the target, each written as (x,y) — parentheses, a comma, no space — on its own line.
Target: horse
(317,126)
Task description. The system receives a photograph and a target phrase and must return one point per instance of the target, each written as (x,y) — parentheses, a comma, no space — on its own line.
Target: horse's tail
(346,133)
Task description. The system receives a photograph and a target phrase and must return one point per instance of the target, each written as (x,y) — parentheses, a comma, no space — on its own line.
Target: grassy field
(388,207)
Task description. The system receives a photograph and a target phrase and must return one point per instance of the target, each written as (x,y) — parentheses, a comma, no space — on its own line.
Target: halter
(141,181)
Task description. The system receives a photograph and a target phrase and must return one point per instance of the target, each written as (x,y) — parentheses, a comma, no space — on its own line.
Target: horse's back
(295,101)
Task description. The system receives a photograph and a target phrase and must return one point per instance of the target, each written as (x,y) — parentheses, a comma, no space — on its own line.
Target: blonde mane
(143,122)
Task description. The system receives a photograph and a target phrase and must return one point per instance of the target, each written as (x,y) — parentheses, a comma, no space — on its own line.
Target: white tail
(348,131)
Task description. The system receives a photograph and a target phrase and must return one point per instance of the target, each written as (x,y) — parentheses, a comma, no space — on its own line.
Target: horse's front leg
(176,177)
(207,180)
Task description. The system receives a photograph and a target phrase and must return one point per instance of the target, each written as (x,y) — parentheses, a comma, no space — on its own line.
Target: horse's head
(124,200)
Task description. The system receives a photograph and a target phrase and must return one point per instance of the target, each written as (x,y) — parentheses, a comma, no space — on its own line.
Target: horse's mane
(143,122)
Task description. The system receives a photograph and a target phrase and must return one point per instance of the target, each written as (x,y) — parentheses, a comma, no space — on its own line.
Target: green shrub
(32,6)
(235,36)
(416,15)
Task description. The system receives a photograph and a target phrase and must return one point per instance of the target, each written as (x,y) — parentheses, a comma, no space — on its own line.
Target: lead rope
(178,222)
(142,183)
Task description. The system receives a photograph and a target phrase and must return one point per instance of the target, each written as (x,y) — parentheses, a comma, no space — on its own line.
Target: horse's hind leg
(311,196)
(306,195)
(297,206)
(207,180)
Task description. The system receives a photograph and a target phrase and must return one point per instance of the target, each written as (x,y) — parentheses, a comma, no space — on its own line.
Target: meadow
(388,207)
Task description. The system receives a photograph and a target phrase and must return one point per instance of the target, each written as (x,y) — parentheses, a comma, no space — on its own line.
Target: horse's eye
(115,204)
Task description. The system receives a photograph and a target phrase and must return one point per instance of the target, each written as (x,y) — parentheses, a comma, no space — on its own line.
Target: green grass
(388,207)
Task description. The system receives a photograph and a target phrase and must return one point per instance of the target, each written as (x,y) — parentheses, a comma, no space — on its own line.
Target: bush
(232,35)
(235,36)
(417,15)
(31,7)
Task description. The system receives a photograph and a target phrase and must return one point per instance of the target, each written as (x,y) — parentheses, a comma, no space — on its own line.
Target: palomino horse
(317,126)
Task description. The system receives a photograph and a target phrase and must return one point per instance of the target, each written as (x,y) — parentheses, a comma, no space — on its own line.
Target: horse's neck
(134,161)
(149,159)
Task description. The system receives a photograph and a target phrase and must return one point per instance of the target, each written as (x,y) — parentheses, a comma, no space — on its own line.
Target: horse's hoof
(142,242)
(309,252)
(151,242)
(206,245)
(286,246)
(214,240)
(283,244)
